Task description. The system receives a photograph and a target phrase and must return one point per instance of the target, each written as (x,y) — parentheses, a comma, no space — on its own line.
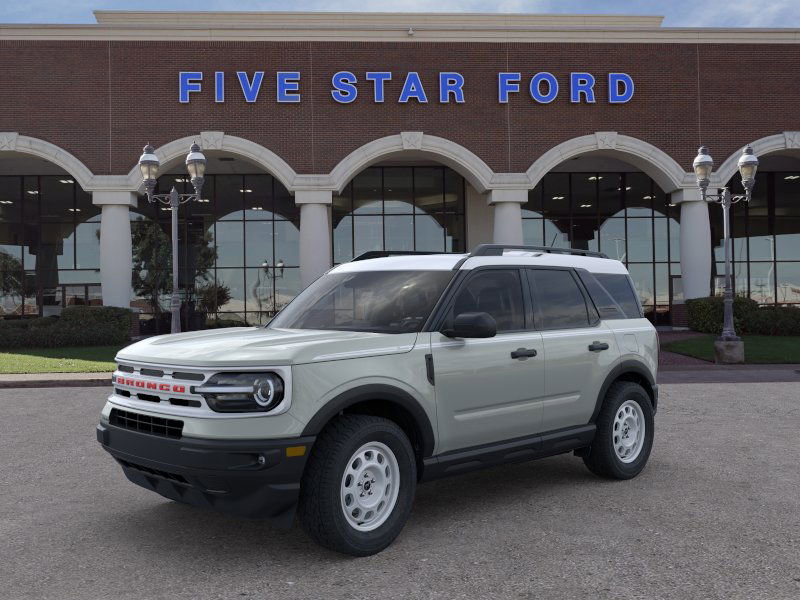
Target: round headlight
(264,392)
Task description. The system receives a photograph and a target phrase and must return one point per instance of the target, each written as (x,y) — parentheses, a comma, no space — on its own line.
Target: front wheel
(624,433)
(359,484)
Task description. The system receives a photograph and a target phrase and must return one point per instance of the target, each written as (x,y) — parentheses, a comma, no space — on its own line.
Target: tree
(12,278)
(152,261)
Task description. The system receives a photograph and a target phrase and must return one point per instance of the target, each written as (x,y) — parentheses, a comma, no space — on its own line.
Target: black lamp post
(703,165)
(196,165)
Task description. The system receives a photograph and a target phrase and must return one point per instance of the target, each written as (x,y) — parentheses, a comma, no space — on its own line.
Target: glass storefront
(400,208)
(766,240)
(238,252)
(239,247)
(49,246)
(624,215)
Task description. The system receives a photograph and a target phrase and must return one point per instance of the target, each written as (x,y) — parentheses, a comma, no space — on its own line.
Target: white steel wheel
(370,485)
(629,431)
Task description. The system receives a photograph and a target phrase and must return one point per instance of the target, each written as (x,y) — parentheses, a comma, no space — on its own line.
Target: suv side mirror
(472,325)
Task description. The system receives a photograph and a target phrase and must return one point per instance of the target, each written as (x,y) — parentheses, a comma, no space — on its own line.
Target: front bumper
(247,478)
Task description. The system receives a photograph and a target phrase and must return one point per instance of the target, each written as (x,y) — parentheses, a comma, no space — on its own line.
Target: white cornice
(388,27)
(313,19)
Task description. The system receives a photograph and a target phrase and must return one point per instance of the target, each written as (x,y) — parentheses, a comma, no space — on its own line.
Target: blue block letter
(507,83)
(344,89)
(250,90)
(412,88)
(378,77)
(288,86)
(219,86)
(615,96)
(536,88)
(451,83)
(188,81)
(581,83)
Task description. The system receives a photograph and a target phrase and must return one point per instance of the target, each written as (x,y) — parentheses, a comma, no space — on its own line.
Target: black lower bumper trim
(247,478)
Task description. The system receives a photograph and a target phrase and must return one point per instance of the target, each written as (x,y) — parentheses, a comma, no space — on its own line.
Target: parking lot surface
(716,514)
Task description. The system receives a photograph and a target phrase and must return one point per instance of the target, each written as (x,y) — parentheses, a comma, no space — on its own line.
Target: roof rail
(497,250)
(384,253)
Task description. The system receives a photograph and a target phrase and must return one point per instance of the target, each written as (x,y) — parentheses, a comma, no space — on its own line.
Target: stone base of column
(728,353)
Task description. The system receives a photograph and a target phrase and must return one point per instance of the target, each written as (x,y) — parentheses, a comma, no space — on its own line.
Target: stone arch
(218,140)
(656,163)
(781,142)
(444,151)
(11,141)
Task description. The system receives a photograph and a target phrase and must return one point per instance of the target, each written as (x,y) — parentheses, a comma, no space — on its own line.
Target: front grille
(156,472)
(170,428)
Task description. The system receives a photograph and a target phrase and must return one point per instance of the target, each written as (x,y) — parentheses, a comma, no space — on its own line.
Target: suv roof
(487,255)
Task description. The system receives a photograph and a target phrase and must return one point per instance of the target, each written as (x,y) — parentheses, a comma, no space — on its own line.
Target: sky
(678,13)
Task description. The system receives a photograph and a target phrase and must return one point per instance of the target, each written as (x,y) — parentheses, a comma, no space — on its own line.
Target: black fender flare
(626,366)
(375,391)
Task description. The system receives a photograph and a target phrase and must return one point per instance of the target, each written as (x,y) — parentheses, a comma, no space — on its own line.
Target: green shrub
(782,320)
(77,326)
(706,315)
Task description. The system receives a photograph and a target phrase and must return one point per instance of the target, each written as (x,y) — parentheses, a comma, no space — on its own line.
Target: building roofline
(388,27)
(357,19)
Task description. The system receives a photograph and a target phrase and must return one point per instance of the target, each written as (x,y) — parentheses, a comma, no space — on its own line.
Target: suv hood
(257,346)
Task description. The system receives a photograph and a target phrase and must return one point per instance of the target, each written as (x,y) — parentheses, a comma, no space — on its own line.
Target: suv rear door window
(558,299)
(497,292)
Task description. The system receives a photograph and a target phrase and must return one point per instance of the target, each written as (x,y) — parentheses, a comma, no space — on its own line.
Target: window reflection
(624,215)
(49,245)
(399,209)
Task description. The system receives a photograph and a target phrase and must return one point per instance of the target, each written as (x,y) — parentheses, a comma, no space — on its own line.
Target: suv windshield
(378,301)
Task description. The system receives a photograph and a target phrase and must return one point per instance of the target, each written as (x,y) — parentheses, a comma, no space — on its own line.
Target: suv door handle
(598,346)
(523,353)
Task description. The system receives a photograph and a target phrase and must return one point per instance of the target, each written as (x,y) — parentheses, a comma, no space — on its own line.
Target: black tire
(601,458)
(320,508)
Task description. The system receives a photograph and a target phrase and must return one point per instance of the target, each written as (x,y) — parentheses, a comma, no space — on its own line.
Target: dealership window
(766,240)
(49,246)
(238,252)
(399,208)
(624,215)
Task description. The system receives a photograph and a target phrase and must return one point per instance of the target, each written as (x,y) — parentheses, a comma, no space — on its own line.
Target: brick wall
(102,101)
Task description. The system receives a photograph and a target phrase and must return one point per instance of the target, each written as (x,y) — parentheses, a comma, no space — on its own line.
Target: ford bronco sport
(386,372)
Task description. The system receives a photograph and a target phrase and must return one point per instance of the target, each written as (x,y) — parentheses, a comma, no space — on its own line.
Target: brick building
(328,135)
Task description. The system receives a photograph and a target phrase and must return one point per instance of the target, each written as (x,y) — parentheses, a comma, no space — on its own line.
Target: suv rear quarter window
(619,287)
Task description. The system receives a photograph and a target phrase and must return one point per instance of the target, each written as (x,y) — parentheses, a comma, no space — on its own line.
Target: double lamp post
(196,165)
(728,347)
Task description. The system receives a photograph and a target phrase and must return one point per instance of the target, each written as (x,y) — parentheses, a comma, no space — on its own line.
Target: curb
(54,383)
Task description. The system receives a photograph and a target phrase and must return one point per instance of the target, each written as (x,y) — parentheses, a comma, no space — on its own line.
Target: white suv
(385,372)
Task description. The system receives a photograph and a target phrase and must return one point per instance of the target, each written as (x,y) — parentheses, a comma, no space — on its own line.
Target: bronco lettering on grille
(150,385)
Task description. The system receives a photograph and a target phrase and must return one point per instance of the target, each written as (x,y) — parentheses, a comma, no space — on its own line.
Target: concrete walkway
(47,380)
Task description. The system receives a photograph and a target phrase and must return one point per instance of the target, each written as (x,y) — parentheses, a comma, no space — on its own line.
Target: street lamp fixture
(196,166)
(748,165)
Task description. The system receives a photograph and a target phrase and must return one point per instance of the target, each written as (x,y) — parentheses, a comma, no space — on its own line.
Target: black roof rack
(497,250)
(384,253)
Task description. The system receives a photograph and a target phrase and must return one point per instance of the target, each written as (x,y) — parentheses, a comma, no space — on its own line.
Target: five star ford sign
(543,87)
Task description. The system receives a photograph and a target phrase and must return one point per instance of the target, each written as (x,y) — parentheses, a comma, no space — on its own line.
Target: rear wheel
(624,433)
(359,484)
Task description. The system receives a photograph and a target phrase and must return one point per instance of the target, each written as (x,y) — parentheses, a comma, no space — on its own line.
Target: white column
(315,233)
(508,215)
(695,243)
(116,256)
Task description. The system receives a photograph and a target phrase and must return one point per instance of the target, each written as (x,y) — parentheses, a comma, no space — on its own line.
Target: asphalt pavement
(716,514)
